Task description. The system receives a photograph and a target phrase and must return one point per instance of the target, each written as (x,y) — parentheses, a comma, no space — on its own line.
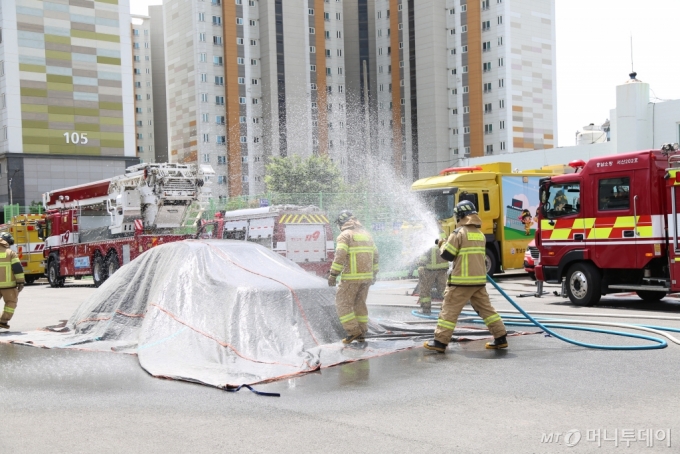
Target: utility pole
(10,184)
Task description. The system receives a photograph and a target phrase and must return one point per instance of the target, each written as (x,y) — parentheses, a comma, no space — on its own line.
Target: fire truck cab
(612,227)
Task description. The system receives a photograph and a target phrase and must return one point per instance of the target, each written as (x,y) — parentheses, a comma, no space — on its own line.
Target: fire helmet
(344,216)
(8,238)
(463,209)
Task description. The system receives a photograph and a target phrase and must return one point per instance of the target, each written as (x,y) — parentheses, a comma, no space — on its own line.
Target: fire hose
(546,323)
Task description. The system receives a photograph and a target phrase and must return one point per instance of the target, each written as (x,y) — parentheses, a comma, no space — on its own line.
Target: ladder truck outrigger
(612,227)
(93,229)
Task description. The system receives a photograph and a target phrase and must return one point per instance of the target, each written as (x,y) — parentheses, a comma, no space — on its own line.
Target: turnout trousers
(11,297)
(428,279)
(455,299)
(350,302)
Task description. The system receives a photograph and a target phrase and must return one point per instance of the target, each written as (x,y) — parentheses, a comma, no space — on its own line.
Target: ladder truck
(93,229)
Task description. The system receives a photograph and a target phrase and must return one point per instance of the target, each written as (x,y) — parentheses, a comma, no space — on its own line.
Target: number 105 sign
(76,138)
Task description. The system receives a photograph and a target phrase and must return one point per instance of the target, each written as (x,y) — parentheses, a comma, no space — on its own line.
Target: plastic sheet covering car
(219,312)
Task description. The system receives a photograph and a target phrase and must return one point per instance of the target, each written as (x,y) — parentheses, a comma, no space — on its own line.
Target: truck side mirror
(41,232)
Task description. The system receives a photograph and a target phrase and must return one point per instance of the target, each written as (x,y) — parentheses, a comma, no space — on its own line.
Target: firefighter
(356,259)
(11,278)
(466,245)
(432,272)
(560,200)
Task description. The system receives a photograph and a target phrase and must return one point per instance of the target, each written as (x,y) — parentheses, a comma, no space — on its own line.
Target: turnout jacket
(11,271)
(467,246)
(356,256)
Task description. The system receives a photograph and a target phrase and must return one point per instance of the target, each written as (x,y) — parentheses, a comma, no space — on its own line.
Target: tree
(294,175)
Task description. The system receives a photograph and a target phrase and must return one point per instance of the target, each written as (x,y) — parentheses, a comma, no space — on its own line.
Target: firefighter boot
(4,325)
(353,337)
(499,342)
(435,345)
(426,309)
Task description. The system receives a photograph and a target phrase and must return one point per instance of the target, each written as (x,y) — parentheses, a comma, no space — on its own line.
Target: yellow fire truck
(28,246)
(505,199)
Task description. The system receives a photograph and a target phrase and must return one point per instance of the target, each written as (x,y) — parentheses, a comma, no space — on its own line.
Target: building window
(255,101)
(219,80)
(453,51)
(205,117)
(204,97)
(452,11)
(466,130)
(253,62)
(206,138)
(501,124)
(466,89)
(252,23)
(454,131)
(501,82)
(137,58)
(486,66)
(220,119)
(454,91)
(337,16)
(220,140)
(201,17)
(487,87)
(217,20)
(219,100)
(502,145)
(241,100)
(501,62)
(465,69)
(313,86)
(501,103)
(221,160)
(453,71)
(256,140)
(463,29)
(135,32)
(487,108)
(310,11)
(242,119)
(221,179)
(488,129)
(254,82)
(241,81)
(500,40)
(466,109)
(464,49)
(328,34)
(217,40)
(452,31)
(500,20)
(3,101)
(203,57)
(485,5)
(201,37)
(486,25)
(463,8)
(217,61)
(206,158)
(204,77)
(489,149)
(244,139)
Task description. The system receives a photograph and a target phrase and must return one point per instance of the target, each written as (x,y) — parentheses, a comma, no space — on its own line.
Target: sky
(594,55)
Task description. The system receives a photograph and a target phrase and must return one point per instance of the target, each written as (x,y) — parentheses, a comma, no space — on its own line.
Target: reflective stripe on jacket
(356,256)
(434,261)
(11,271)
(467,245)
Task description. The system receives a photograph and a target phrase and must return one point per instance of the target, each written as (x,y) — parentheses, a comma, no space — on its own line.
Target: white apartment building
(250,79)
(455,78)
(143,85)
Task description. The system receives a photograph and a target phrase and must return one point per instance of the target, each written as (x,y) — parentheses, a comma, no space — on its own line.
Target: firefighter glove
(20,287)
(332,280)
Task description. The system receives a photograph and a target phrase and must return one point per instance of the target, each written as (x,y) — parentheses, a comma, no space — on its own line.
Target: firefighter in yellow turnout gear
(431,273)
(356,259)
(11,278)
(466,246)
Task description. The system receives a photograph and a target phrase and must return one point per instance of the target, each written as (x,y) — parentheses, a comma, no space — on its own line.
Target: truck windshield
(440,201)
(561,200)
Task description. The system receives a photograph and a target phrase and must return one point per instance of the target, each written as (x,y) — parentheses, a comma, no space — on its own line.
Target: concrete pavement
(469,400)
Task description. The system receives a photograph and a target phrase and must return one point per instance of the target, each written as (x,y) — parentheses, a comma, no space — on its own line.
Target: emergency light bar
(459,169)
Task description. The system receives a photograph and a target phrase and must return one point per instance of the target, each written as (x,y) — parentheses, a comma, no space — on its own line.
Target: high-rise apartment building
(452,79)
(249,79)
(158,95)
(143,85)
(66,95)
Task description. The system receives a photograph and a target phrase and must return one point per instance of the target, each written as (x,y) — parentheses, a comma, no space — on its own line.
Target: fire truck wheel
(584,284)
(491,262)
(111,263)
(98,271)
(650,296)
(53,273)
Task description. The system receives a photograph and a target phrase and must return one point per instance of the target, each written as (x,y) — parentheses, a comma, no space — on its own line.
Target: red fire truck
(95,228)
(302,234)
(612,227)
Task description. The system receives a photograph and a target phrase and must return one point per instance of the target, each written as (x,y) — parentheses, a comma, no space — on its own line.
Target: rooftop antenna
(632,70)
